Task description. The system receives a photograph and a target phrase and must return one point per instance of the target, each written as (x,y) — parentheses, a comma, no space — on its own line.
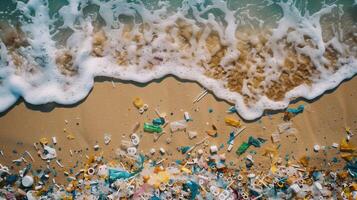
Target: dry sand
(109,109)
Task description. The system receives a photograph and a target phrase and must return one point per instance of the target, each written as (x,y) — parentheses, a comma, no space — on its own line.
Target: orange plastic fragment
(211,133)
(304,161)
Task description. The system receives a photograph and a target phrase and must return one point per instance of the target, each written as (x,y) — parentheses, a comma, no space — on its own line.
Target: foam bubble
(235,53)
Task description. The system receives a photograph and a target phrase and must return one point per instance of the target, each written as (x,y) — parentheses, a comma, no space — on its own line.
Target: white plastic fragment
(135,140)
(96,147)
(335,145)
(50,153)
(107,138)
(178,126)
(162,150)
(316,147)
(131,151)
(295,187)
(54,140)
(275,137)
(213,149)
(27,181)
(152,151)
(187,116)
(192,134)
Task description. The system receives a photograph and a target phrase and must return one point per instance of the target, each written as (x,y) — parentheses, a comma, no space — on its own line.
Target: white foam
(45,83)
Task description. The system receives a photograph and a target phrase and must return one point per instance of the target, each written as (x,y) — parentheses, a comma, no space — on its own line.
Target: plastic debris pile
(199,175)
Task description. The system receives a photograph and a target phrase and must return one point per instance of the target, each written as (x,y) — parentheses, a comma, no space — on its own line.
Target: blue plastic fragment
(231,137)
(232,109)
(297,110)
(158,121)
(194,188)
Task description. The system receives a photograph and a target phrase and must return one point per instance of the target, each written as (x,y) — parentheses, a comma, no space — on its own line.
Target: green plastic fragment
(242,148)
(151,128)
(254,142)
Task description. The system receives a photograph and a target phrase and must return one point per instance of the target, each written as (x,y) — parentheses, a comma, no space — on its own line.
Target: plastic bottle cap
(135,139)
(27,181)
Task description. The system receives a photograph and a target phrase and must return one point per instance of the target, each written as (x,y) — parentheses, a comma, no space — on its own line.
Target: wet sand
(109,109)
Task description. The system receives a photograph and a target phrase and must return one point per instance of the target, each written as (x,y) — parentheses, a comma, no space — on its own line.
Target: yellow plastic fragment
(345,147)
(232,122)
(43,141)
(138,102)
(70,137)
(186,170)
(273,168)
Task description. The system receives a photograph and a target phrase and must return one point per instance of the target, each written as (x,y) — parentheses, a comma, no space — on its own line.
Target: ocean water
(257,54)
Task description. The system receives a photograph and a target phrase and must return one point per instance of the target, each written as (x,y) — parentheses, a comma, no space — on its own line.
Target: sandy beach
(109,109)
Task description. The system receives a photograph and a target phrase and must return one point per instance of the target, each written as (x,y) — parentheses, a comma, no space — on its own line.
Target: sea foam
(54,51)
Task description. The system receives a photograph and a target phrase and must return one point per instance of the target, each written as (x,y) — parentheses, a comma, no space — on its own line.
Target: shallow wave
(257,55)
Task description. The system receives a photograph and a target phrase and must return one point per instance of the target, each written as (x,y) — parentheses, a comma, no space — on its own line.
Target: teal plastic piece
(297,110)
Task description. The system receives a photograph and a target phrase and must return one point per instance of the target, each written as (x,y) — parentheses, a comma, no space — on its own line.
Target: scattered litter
(54,140)
(178,126)
(297,110)
(107,138)
(96,147)
(192,134)
(275,137)
(27,181)
(150,128)
(187,117)
(200,96)
(232,122)
(232,109)
(316,148)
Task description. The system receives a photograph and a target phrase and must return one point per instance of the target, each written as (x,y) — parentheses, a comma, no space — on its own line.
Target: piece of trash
(232,109)
(242,148)
(255,142)
(200,96)
(135,140)
(232,136)
(70,137)
(152,151)
(107,138)
(275,137)
(180,125)
(131,151)
(335,145)
(27,181)
(187,117)
(212,133)
(232,122)
(213,149)
(297,110)
(316,147)
(138,102)
(192,134)
(54,140)
(158,121)
(44,141)
(48,154)
(96,147)
(150,128)
(162,150)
